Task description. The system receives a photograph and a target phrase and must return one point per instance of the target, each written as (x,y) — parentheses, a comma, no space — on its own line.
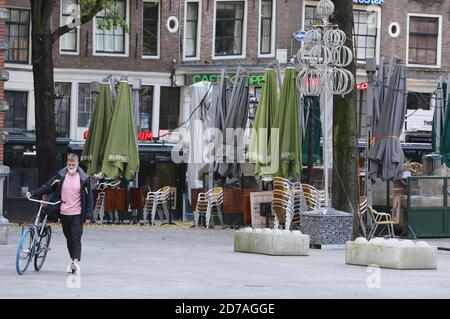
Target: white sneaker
(69,268)
(76,270)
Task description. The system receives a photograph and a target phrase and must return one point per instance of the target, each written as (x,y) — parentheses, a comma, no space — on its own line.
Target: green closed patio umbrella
(445,137)
(121,156)
(287,162)
(94,148)
(438,116)
(258,151)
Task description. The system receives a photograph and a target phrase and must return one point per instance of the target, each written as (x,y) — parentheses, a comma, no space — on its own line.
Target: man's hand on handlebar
(28,194)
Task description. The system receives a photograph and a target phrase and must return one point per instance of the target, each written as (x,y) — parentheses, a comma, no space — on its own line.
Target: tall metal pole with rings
(322,61)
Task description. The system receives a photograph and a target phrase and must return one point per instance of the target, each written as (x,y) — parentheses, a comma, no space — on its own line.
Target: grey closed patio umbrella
(438,116)
(386,154)
(235,118)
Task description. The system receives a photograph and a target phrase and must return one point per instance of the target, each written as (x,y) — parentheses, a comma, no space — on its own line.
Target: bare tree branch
(86,16)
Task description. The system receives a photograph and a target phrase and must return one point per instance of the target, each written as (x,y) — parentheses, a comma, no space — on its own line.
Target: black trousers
(73,230)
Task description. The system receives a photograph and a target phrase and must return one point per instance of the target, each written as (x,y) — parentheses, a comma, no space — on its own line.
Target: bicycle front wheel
(44,247)
(24,252)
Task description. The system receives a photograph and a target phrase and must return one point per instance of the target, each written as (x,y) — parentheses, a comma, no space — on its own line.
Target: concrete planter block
(391,253)
(271,242)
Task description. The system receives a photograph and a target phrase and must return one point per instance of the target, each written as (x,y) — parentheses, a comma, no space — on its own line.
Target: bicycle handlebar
(42,201)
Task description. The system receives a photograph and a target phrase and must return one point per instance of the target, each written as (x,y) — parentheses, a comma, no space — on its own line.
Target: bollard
(4,230)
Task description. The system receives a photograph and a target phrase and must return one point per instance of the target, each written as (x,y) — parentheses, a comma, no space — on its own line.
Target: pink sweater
(70,195)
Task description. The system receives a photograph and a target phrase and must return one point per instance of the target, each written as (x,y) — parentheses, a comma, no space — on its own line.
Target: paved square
(182,262)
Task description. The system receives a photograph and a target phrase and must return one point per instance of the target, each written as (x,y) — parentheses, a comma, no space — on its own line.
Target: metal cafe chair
(295,191)
(215,200)
(379,218)
(313,197)
(283,207)
(209,204)
(362,212)
(99,208)
(157,202)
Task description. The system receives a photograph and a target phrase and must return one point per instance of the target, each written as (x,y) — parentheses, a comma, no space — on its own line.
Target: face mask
(72,170)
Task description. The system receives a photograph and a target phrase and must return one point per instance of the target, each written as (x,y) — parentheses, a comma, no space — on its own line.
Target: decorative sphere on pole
(325,8)
(323,57)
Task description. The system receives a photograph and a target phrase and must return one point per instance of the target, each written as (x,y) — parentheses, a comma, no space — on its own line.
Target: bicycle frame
(35,225)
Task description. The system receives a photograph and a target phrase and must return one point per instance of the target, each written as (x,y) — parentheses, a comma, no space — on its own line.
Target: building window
(365,30)
(169,113)
(311,17)
(17,34)
(361,96)
(365,34)
(62,108)
(423,40)
(266,27)
(110,41)
(192,25)
(417,101)
(229,28)
(68,41)
(85,105)
(145,109)
(23,172)
(151,29)
(16,116)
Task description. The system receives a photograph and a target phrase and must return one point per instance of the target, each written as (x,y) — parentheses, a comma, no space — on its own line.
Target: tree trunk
(345,173)
(42,59)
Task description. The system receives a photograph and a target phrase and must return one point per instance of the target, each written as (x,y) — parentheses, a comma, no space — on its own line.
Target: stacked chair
(363,208)
(209,204)
(315,199)
(99,208)
(288,202)
(157,202)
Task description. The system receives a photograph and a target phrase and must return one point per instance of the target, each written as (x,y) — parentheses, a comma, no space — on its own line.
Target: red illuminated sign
(362,86)
(142,136)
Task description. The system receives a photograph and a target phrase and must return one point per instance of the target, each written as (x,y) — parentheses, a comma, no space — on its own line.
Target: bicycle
(34,242)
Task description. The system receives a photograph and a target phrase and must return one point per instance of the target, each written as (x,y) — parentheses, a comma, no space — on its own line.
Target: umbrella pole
(310,141)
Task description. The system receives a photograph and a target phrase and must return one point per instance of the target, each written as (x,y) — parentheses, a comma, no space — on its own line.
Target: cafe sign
(368,2)
(253,79)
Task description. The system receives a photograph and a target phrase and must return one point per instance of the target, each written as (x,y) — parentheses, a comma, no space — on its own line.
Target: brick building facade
(171,44)
(4,170)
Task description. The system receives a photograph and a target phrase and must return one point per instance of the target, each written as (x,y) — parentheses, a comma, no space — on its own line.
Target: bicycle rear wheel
(24,252)
(43,248)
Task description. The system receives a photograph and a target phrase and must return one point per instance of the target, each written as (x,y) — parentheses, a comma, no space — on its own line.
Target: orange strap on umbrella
(374,139)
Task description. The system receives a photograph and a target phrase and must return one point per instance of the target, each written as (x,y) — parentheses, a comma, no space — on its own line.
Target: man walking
(72,186)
